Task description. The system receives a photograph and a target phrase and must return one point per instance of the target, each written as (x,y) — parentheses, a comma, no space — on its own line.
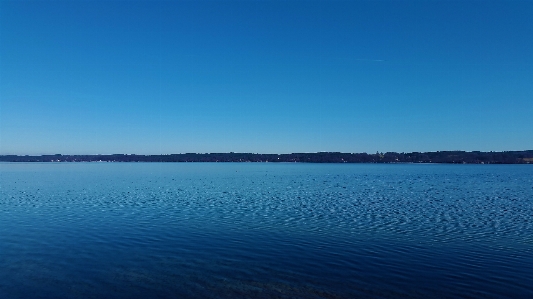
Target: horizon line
(255,153)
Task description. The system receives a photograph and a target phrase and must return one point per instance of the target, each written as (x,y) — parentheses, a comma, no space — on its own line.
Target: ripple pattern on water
(265,230)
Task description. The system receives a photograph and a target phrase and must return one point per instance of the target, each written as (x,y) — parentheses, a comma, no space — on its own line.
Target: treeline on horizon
(452,157)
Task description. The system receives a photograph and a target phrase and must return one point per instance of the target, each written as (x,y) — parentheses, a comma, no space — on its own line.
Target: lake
(265,230)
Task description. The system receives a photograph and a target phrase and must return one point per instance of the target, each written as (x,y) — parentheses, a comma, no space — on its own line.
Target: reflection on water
(264,230)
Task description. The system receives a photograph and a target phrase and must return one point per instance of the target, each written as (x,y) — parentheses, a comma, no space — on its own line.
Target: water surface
(265,230)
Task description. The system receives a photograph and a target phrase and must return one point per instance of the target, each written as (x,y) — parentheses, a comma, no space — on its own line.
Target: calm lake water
(265,230)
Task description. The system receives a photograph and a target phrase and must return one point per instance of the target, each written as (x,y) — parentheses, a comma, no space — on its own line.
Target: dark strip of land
(453,157)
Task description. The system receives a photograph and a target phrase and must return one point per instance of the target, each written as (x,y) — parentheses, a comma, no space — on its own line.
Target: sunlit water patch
(265,230)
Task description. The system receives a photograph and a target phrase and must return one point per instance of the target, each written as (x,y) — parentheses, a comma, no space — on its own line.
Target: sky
(163,77)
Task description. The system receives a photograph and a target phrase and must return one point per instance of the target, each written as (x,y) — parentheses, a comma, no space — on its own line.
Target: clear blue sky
(153,77)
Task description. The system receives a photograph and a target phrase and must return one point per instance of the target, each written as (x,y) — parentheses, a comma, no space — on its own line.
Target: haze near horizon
(163,77)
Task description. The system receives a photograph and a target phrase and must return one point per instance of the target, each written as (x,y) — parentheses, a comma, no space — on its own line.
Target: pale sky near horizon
(161,77)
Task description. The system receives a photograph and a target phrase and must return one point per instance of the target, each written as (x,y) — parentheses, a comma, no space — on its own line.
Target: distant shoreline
(448,157)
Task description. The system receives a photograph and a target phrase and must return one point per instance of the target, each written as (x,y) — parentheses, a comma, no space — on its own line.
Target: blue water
(265,230)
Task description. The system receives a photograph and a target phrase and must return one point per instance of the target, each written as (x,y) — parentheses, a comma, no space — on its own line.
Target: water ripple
(265,231)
